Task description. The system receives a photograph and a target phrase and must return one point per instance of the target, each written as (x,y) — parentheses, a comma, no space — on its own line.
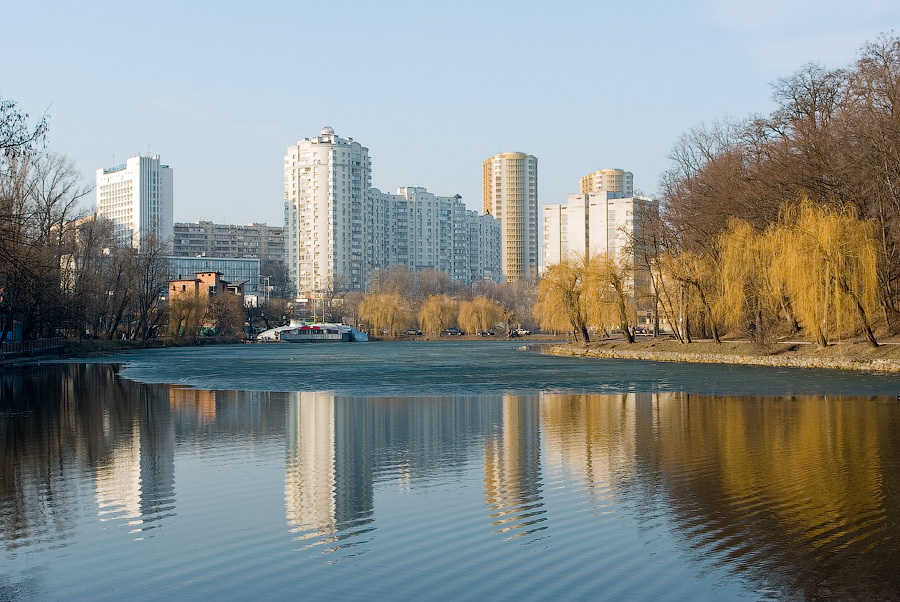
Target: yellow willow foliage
(826,263)
(479,314)
(746,295)
(186,316)
(694,280)
(609,297)
(438,312)
(563,293)
(387,313)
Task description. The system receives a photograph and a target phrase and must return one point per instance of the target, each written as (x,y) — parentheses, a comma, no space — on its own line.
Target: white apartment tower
(609,180)
(137,197)
(331,231)
(602,223)
(510,195)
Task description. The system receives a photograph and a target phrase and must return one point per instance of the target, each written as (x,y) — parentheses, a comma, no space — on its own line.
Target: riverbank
(794,354)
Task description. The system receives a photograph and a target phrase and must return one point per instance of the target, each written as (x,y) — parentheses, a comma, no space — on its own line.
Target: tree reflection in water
(796,494)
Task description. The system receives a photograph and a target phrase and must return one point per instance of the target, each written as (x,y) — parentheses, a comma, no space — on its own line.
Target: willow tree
(745,262)
(696,276)
(563,298)
(186,315)
(828,261)
(387,313)
(479,314)
(437,313)
(610,293)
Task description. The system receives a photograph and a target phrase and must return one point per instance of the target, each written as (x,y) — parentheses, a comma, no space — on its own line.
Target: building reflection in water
(135,481)
(328,477)
(512,469)
(798,494)
(200,402)
(67,425)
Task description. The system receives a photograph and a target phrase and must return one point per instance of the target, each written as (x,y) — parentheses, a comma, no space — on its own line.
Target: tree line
(768,225)
(786,223)
(62,269)
(429,300)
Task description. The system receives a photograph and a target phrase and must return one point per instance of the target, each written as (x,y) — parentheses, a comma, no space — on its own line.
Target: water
(460,470)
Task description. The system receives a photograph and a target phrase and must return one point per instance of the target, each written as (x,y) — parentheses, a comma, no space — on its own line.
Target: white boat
(319,332)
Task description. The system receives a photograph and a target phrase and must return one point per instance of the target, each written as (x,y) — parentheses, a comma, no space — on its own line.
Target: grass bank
(853,355)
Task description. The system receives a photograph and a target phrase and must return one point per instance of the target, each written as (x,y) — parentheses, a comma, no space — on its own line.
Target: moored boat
(320,332)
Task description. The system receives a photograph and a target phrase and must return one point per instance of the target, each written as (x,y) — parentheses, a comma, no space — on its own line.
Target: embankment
(841,356)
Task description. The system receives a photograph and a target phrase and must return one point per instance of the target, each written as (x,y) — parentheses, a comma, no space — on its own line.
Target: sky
(220,90)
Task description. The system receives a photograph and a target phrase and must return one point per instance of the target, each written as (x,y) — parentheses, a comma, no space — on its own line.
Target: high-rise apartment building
(331,231)
(510,195)
(609,180)
(425,231)
(137,197)
(338,229)
(207,239)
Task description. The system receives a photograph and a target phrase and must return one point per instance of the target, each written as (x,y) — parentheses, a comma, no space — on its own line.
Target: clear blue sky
(220,90)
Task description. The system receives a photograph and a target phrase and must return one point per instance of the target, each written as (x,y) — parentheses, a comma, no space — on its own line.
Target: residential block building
(510,195)
(338,229)
(200,238)
(331,229)
(137,197)
(425,231)
(602,223)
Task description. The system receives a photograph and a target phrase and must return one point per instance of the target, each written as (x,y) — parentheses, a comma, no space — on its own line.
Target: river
(461,470)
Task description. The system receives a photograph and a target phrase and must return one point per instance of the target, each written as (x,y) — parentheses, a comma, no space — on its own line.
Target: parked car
(486,333)
(454,332)
(522,332)
(413,332)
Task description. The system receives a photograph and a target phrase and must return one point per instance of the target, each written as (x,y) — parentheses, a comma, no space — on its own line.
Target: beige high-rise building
(510,196)
(609,180)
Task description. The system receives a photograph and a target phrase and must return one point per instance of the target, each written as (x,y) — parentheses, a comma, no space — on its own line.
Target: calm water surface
(459,470)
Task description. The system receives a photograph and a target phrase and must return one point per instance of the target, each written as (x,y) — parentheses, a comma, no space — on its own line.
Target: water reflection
(328,475)
(58,424)
(512,469)
(798,495)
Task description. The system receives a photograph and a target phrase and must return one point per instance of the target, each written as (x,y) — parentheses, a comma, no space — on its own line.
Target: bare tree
(16,135)
(393,280)
(150,274)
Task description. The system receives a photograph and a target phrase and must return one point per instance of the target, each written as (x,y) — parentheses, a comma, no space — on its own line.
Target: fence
(26,348)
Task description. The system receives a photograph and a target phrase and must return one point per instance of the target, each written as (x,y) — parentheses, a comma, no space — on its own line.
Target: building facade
(555,224)
(603,223)
(617,181)
(332,233)
(237,270)
(137,197)
(425,231)
(200,238)
(205,285)
(509,190)
(339,230)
